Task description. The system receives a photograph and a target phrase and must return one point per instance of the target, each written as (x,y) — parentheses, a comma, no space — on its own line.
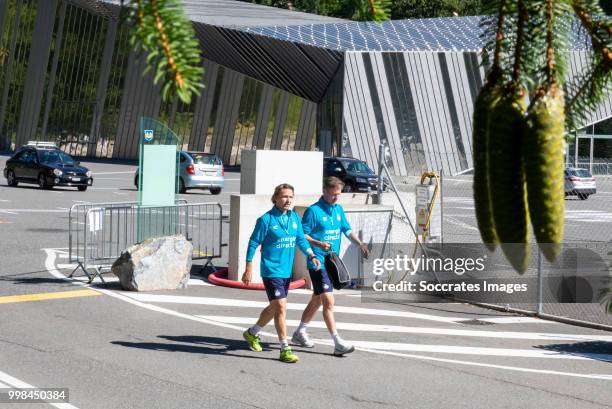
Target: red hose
(219,278)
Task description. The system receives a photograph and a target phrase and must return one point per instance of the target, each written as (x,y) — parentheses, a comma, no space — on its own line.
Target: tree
(402,9)
(523,113)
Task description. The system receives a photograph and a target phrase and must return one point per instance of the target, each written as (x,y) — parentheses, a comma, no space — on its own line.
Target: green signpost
(158,179)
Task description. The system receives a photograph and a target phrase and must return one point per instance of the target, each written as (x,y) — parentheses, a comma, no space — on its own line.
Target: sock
(337,339)
(302,327)
(284,343)
(254,330)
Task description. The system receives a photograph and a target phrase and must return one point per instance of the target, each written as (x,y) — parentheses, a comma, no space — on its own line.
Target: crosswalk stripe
(516,320)
(114,279)
(50,265)
(352,326)
(226,302)
(352,293)
(453,349)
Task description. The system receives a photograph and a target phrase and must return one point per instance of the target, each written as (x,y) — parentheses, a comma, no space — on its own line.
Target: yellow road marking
(47,296)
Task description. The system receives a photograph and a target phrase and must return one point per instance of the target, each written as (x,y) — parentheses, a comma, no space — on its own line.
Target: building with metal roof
(274,79)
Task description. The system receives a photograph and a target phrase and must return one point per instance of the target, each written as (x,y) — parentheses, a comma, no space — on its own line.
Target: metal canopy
(232,13)
(303,53)
(430,34)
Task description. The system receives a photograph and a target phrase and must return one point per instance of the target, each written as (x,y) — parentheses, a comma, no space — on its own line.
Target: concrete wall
(263,170)
(371,223)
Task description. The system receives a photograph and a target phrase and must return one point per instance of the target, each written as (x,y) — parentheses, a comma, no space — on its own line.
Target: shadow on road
(199,345)
(596,350)
(35,280)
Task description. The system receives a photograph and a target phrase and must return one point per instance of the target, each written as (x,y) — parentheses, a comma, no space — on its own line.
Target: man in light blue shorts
(324,223)
(277,232)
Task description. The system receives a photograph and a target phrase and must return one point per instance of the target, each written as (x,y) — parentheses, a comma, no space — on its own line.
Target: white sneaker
(301,339)
(342,349)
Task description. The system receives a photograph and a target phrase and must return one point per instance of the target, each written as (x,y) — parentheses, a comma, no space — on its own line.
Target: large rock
(156,264)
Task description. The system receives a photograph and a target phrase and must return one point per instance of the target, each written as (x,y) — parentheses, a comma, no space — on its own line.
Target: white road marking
(604,377)
(4,200)
(115,279)
(16,383)
(352,326)
(227,302)
(7,212)
(458,199)
(113,173)
(66,266)
(31,211)
(103,188)
(50,266)
(460,223)
(516,320)
(452,349)
(347,292)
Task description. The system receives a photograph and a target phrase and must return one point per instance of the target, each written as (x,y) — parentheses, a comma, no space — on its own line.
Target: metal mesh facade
(273,79)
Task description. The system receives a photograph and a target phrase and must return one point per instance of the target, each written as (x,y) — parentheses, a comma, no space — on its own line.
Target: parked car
(356,174)
(579,182)
(46,165)
(198,170)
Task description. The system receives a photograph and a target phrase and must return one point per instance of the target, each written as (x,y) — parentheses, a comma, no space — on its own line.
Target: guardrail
(597,168)
(107,230)
(76,223)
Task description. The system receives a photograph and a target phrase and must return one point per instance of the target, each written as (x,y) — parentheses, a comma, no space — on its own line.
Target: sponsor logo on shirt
(285,243)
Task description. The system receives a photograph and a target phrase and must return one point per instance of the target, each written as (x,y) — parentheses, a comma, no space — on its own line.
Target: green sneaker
(287,355)
(252,340)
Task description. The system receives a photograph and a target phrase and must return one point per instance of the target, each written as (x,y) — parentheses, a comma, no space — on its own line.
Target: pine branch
(598,31)
(550,45)
(380,10)
(588,92)
(520,37)
(161,30)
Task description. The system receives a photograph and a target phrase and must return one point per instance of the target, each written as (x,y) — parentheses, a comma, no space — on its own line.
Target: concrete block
(263,170)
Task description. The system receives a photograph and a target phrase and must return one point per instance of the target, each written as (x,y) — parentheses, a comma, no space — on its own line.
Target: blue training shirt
(277,233)
(325,222)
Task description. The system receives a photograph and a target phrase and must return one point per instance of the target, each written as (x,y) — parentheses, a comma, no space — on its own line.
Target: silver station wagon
(199,170)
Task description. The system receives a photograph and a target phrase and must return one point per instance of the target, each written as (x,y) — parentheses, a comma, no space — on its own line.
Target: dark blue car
(46,166)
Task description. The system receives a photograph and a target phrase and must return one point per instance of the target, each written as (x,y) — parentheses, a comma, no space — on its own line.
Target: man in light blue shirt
(277,232)
(324,223)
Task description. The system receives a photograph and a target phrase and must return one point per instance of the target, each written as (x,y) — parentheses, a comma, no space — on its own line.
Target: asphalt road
(585,220)
(183,349)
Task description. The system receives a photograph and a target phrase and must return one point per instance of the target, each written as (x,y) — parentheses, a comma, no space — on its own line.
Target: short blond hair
(332,182)
(278,189)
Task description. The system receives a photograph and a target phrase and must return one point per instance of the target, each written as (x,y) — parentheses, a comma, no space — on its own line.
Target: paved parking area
(183,348)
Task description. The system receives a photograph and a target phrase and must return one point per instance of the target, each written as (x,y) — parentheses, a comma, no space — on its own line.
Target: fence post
(381,162)
(540,281)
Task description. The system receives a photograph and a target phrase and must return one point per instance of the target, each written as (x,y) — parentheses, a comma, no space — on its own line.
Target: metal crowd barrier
(76,223)
(107,230)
